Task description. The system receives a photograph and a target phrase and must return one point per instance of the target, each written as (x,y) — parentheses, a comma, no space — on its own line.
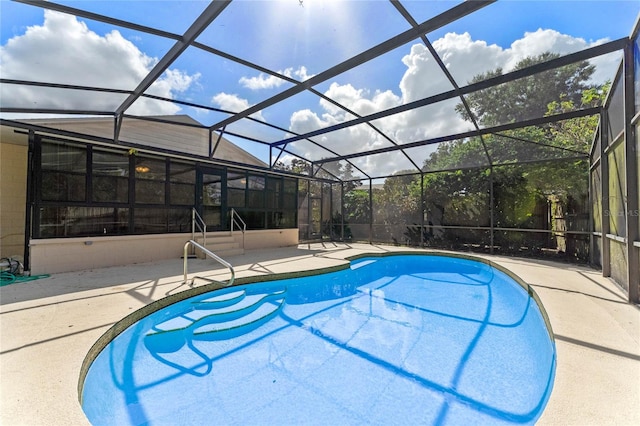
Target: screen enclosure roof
(351,89)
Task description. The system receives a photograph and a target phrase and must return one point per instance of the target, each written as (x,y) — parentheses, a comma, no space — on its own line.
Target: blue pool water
(402,340)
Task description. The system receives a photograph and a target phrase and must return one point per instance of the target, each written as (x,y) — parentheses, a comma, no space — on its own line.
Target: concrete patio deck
(47,326)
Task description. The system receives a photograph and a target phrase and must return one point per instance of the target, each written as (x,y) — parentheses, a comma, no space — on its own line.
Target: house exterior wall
(13,185)
(85,250)
(267,238)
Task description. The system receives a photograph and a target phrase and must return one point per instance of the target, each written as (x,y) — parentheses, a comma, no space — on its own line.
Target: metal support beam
(212,151)
(591,201)
(401,39)
(370,211)
(199,25)
(592,52)
(64,86)
(423,205)
(631,169)
(492,210)
(341,211)
(62,111)
(406,15)
(30,201)
(272,162)
(309,209)
(117,127)
(604,188)
(472,133)
(99,18)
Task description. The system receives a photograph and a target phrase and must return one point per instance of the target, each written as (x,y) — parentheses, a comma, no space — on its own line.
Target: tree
(397,206)
(527,97)
(520,192)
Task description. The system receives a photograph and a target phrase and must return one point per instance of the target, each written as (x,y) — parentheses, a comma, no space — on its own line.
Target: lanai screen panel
(59,100)
(386,164)
(297,67)
(450,155)
(425,122)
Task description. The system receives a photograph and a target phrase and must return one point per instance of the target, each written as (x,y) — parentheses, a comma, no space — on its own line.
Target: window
(256,192)
(82,221)
(179,220)
(273,193)
(88,190)
(236,187)
(64,171)
(151,175)
(290,196)
(182,183)
(110,176)
(149,220)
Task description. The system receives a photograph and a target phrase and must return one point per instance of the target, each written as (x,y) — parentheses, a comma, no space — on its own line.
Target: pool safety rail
(237,221)
(210,254)
(198,222)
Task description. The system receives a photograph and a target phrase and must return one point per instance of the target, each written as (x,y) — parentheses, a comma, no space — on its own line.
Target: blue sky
(298,41)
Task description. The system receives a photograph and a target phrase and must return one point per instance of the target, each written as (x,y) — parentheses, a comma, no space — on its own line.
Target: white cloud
(234,103)
(175,80)
(64,50)
(300,74)
(540,41)
(360,101)
(264,81)
(464,57)
(261,81)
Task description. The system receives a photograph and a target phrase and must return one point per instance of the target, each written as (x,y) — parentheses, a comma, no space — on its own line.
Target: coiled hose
(13,273)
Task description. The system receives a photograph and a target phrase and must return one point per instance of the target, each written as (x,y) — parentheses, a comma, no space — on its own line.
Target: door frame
(201,171)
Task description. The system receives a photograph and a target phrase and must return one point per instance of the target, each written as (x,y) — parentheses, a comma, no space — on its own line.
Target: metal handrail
(234,216)
(211,255)
(197,220)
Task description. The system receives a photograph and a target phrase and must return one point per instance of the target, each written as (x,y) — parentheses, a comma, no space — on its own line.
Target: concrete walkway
(47,327)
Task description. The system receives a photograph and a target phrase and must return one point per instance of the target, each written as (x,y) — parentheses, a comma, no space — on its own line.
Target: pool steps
(221,301)
(261,314)
(221,243)
(227,312)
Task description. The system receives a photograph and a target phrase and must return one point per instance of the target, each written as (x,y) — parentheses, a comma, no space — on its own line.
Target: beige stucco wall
(13,185)
(268,238)
(73,254)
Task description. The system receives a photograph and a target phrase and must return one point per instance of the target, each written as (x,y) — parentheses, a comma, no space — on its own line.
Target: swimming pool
(411,339)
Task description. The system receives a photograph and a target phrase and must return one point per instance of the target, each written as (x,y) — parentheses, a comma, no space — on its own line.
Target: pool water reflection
(409,339)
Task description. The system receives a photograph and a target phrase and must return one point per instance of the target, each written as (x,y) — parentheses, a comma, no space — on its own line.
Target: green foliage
(461,177)
(527,97)
(460,197)
(399,200)
(346,175)
(356,206)
(458,193)
(456,154)
(337,228)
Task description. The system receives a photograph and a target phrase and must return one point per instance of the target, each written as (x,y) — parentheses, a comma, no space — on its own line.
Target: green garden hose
(13,273)
(7,278)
